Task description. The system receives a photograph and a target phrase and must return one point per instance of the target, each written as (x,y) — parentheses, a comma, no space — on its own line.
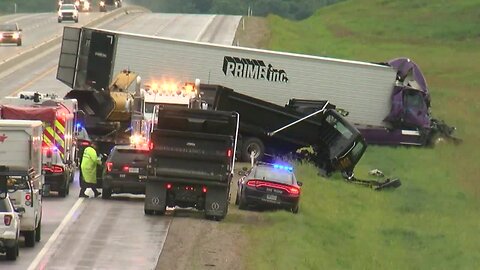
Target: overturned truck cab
(191,161)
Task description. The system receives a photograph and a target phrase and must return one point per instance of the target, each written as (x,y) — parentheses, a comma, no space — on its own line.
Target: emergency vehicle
(59,128)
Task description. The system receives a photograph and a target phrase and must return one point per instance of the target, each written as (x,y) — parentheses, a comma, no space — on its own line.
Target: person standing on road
(88,167)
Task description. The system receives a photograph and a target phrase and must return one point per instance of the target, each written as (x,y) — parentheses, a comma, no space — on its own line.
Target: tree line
(292,9)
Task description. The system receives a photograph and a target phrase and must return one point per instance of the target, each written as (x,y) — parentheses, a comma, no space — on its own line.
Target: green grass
(433,220)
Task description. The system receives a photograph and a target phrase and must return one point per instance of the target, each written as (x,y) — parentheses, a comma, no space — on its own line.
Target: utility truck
(388,102)
(59,147)
(21,165)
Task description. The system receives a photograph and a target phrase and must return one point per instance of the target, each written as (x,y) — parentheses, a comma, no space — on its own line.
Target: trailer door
(68,55)
(100,59)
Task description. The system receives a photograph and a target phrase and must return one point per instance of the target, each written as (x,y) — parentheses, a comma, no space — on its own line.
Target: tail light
(84,143)
(7,219)
(125,168)
(28,197)
(109,166)
(292,190)
(204,189)
(150,145)
(168,186)
(229,153)
(53,169)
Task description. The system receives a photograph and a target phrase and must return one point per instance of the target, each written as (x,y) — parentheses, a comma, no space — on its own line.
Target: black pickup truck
(273,130)
(191,161)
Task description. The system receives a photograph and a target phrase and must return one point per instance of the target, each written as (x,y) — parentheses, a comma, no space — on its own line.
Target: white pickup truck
(21,166)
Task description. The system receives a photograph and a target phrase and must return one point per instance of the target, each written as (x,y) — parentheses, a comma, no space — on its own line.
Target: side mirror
(299,183)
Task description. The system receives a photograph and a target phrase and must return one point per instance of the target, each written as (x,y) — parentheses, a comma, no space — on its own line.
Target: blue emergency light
(283,167)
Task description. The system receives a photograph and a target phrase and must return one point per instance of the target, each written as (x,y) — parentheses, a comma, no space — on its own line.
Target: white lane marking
(55,235)
(205,28)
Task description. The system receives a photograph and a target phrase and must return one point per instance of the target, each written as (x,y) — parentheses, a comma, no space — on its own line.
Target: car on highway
(10,33)
(58,176)
(9,227)
(68,12)
(269,185)
(125,171)
(101,6)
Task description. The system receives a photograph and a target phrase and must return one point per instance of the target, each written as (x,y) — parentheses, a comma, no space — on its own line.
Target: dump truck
(272,130)
(21,166)
(191,161)
(388,102)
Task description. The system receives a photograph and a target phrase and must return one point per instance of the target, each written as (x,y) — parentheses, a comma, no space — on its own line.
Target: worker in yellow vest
(89,170)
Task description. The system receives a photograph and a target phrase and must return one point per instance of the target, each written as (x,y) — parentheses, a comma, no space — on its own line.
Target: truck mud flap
(216,202)
(155,197)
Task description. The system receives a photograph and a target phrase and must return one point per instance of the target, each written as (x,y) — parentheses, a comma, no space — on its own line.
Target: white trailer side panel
(21,144)
(363,89)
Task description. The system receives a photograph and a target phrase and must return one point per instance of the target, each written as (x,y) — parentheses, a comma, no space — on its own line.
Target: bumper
(9,40)
(261,198)
(67,18)
(7,243)
(125,185)
(55,181)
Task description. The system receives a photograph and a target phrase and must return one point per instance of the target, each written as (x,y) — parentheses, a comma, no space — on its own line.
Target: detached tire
(252,144)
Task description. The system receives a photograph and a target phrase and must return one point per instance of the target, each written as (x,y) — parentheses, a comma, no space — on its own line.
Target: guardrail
(38,48)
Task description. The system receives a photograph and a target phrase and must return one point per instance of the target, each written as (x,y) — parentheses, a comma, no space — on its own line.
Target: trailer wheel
(252,144)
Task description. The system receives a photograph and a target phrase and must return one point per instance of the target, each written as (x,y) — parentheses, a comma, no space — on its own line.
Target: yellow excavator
(106,115)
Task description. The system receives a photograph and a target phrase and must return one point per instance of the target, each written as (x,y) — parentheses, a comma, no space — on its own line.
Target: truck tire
(252,144)
(30,238)
(12,252)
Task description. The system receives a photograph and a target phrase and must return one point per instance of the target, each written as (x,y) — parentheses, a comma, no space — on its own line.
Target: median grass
(432,220)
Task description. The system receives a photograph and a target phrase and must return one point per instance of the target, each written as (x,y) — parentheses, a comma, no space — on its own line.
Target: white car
(9,228)
(67,12)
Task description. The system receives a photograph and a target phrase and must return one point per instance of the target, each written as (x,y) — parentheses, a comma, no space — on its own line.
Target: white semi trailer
(389,103)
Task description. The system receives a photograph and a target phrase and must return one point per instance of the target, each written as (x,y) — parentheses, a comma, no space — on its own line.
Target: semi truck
(388,102)
(21,165)
(191,161)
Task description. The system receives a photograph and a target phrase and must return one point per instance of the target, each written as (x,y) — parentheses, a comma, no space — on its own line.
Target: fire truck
(59,148)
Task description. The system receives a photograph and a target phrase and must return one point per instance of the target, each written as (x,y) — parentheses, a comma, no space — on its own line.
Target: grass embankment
(433,220)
